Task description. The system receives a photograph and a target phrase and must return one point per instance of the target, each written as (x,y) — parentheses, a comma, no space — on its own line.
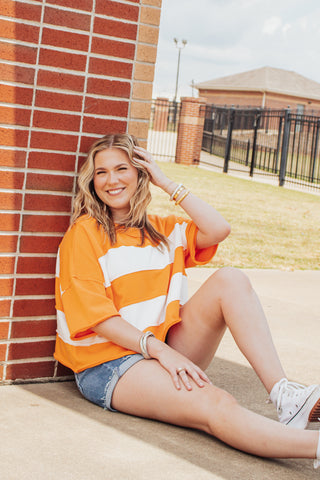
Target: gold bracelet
(177,193)
(182,197)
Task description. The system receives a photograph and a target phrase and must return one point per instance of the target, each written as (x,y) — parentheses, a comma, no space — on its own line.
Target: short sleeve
(195,256)
(187,237)
(85,305)
(84,295)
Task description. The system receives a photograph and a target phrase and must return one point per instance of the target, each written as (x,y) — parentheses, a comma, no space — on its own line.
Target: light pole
(179,47)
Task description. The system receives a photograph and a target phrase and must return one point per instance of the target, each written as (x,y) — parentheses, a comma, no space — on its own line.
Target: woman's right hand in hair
(180,368)
(157,176)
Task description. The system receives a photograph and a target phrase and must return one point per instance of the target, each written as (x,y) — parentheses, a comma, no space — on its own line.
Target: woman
(126,328)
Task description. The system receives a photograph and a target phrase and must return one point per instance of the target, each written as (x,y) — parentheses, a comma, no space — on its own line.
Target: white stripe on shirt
(124,260)
(141,315)
(64,333)
(152,312)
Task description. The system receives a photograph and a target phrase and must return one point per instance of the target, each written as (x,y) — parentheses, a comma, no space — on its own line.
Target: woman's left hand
(181,369)
(157,176)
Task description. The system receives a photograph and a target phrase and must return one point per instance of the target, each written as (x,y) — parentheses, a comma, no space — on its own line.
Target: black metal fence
(163,127)
(277,143)
(281,144)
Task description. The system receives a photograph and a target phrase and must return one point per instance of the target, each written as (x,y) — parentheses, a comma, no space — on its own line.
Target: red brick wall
(71,71)
(258,99)
(235,98)
(274,100)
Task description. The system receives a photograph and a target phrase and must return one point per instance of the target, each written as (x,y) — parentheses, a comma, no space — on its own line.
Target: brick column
(143,67)
(161,111)
(190,130)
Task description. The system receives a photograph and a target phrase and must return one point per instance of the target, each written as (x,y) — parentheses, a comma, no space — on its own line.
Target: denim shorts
(97,383)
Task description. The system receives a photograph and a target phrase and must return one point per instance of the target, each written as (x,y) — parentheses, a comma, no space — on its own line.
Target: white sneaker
(297,406)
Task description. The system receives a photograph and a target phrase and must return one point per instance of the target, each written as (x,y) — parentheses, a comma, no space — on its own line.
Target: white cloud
(303,23)
(271,25)
(286,27)
(231,36)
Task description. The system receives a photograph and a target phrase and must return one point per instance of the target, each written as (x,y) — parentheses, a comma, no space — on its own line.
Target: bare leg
(227,299)
(146,390)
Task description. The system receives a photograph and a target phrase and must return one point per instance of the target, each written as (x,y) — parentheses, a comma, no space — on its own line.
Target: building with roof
(264,87)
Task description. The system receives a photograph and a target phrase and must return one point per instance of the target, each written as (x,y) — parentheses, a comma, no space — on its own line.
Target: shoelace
(290,389)
(316,462)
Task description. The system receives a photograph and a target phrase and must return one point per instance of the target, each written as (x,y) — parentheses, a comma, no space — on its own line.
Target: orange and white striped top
(96,280)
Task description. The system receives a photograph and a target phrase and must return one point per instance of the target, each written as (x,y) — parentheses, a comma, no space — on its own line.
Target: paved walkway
(49,432)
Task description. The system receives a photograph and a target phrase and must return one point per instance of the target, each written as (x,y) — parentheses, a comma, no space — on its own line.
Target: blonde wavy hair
(88,203)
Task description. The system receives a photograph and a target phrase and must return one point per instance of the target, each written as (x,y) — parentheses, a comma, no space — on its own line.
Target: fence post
(190,130)
(276,160)
(285,146)
(314,153)
(247,152)
(229,140)
(254,143)
(212,127)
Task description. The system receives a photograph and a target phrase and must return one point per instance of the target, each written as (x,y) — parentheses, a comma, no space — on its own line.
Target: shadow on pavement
(190,448)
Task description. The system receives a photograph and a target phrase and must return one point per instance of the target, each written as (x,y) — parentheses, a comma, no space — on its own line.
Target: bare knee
(229,278)
(222,399)
(219,406)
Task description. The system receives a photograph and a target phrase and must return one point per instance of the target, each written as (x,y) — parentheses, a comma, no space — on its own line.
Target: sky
(225,37)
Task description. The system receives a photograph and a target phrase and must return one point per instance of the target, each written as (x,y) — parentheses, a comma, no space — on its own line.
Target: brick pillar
(161,111)
(70,73)
(190,130)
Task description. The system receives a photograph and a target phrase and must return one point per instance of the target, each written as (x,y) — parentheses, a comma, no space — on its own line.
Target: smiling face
(115,181)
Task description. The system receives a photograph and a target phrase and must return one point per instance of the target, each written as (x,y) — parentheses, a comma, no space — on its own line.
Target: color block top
(96,280)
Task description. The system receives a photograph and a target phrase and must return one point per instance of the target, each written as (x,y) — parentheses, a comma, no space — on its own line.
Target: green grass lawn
(272,227)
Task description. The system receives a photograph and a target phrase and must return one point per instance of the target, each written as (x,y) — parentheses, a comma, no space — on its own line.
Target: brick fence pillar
(190,130)
(161,115)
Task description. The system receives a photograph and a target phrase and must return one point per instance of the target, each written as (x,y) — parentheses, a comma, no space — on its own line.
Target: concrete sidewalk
(48,431)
